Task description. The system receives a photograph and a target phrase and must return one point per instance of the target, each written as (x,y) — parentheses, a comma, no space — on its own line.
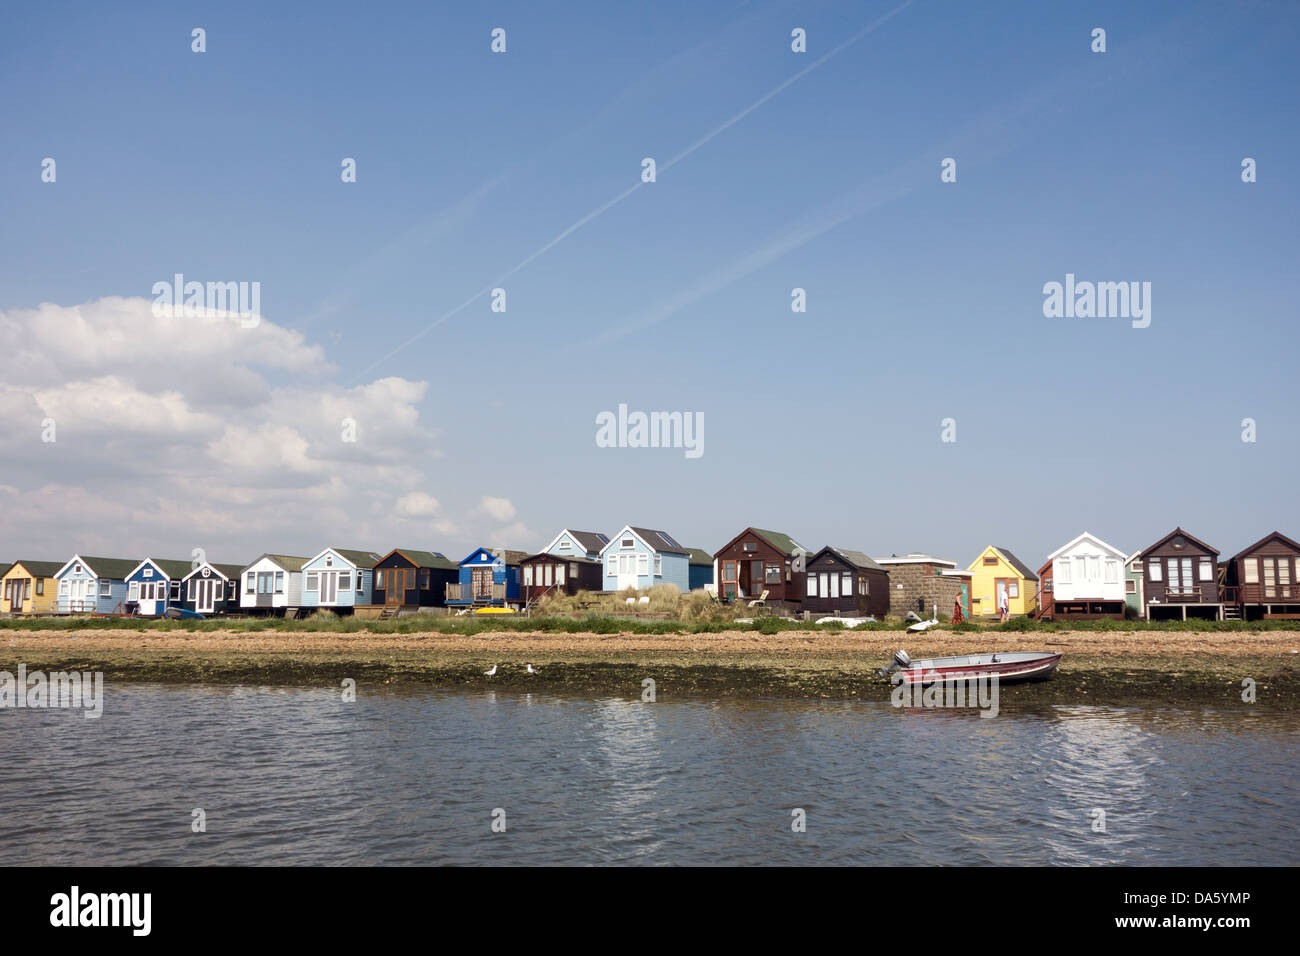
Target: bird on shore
(492,672)
(530,669)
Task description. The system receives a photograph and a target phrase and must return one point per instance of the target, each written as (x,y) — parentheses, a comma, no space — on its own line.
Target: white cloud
(499,508)
(417,504)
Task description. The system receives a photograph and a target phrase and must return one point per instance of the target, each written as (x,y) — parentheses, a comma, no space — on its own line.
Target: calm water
(295,776)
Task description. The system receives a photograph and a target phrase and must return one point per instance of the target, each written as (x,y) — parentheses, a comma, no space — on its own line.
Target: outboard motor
(901,661)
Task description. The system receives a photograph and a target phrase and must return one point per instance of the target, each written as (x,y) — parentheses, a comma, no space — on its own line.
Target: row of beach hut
(1178,576)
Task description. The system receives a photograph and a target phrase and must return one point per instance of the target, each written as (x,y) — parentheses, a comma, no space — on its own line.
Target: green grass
(598,624)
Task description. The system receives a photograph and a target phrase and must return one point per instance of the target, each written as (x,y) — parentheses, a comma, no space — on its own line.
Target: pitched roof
(660,541)
(287,561)
(1268,537)
(779,540)
(1177,531)
(425,559)
(107,567)
(856,558)
(579,558)
(699,556)
(1016,563)
(362,559)
(591,540)
(231,572)
(4,569)
(1086,536)
(39,569)
(173,569)
(510,556)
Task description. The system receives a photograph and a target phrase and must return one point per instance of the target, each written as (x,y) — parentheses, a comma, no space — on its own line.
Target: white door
(207,597)
(626,571)
(329,587)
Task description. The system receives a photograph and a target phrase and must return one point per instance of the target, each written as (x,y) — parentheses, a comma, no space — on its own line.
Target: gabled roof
(591,541)
(507,555)
(355,557)
(102,567)
(700,557)
(856,559)
(169,568)
(287,561)
(779,540)
(579,558)
(1178,531)
(1088,536)
(231,572)
(423,559)
(4,569)
(658,541)
(38,569)
(1268,537)
(1009,557)
(776,540)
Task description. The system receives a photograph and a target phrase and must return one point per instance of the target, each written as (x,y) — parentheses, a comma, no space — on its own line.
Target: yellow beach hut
(997,571)
(29,588)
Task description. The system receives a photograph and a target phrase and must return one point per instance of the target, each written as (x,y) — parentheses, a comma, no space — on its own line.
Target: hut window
(63,586)
(190,591)
(279,582)
(1207,569)
(613,564)
(659,565)
(626,543)
(1130,586)
(559,574)
(1283,572)
(773,574)
(133,592)
(252,578)
(1252,570)
(988,562)
(231,587)
(313,582)
(1013,588)
(528,574)
(424,579)
(345,580)
(643,564)
(176,590)
(1155,570)
(105,587)
(573,570)
(833,583)
(40,585)
(1063,571)
(1112,571)
(846,586)
(548,575)
(563,545)
(358,580)
(329,560)
(749,546)
(1094,567)
(379,578)
(812,585)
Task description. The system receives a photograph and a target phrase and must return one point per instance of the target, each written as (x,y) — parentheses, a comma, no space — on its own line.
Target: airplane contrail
(609,204)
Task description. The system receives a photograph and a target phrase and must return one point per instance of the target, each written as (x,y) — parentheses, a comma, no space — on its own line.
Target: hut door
(481,581)
(395,593)
(329,587)
(729,583)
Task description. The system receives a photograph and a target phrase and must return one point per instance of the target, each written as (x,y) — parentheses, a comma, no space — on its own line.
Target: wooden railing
(452,592)
(1183,595)
(1262,594)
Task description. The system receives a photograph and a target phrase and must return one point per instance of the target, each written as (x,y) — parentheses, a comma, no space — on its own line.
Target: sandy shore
(1098,666)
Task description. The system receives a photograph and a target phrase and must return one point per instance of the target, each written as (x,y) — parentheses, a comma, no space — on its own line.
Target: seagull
(492,672)
(530,669)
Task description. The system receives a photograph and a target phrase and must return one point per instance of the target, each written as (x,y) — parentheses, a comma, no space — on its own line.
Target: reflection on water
(296,776)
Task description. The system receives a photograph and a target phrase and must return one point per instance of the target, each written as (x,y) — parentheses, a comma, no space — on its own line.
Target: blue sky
(924,298)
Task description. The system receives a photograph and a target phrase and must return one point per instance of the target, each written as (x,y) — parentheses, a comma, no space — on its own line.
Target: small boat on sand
(182,614)
(1018,666)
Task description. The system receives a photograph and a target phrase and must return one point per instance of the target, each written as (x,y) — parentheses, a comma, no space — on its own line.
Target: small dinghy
(182,614)
(1019,666)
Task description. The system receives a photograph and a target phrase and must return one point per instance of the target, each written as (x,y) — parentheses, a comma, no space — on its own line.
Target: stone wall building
(925,584)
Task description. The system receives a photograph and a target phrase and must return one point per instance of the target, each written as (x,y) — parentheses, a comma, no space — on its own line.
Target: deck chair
(761,600)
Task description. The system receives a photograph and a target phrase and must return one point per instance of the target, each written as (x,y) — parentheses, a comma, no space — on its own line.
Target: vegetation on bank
(603,623)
